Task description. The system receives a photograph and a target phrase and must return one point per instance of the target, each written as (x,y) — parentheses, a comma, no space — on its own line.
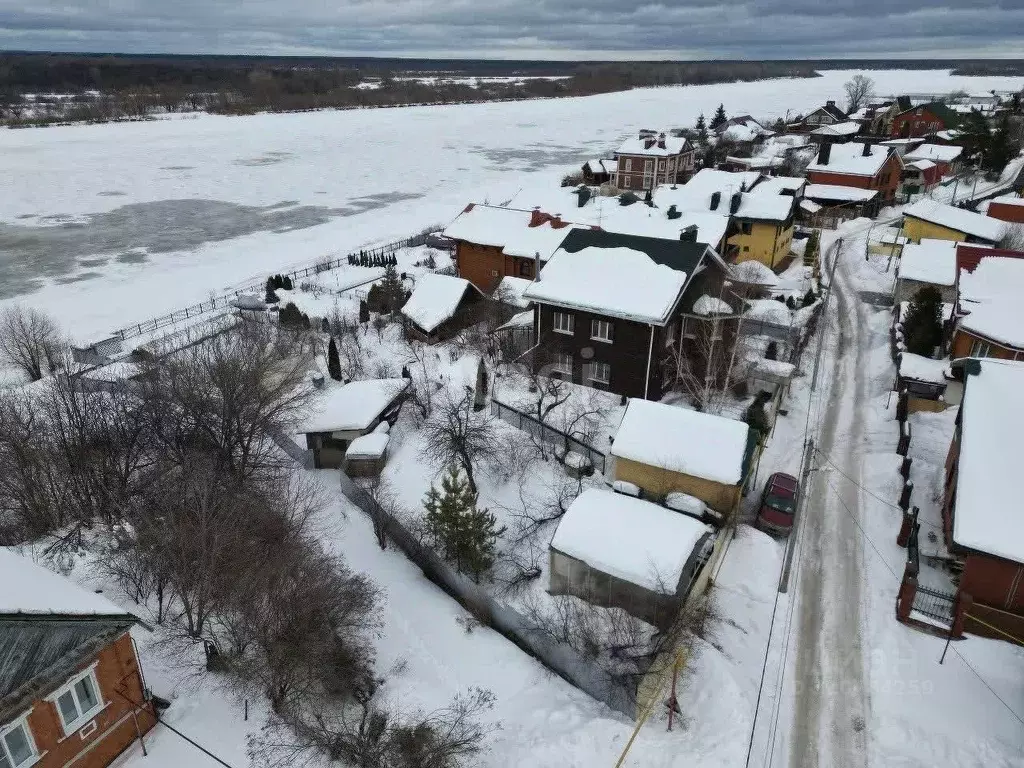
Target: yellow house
(929,219)
(665,449)
(760,240)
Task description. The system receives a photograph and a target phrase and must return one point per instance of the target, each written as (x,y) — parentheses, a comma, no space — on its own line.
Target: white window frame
(563,363)
(596,326)
(648,166)
(592,368)
(980,348)
(570,328)
(22,723)
(629,165)
(69,687)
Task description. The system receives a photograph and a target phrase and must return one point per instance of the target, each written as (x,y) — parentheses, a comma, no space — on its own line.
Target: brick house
(945,156)
(981,506)
(923,120)
(493,242)
(858,165)
(1007,208)
(829,114)
(610,308)
(72,690)
(989,314)
(928,218)
(651,159)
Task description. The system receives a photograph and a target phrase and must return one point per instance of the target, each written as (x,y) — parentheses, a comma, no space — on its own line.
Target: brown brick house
(651,159)
(981,512)
(1007,208)
(829,114)
(858,165)
(923,120)
(493,242)
(609,307)
(989,317)
(72,690)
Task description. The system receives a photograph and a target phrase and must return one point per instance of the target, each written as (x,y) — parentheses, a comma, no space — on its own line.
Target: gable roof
(940,110)
(831,110)
(990,300)
(517,232)
(435,299)
(635,145)
(942,153)
(41,592)
(957,219)
(351,407)
(845,128)
(849,159)
(930,261)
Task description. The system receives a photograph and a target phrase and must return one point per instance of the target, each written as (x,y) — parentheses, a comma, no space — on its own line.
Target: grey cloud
(510,28)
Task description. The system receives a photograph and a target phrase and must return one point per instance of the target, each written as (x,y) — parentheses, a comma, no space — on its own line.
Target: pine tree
(392,290)
(333,361)
(286,283)
(480,394)
(720,117)
(364,312)
(271,296)
(466,535)
(278,283)
(922,326)
(702,130)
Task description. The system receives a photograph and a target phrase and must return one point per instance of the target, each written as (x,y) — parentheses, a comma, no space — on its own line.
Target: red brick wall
(840,179)
(479,263)
(911,124)
(1005,212)
(995,582)
(886,181)
(117,673)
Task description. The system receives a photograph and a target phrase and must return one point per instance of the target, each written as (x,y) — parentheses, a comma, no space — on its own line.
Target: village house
(609,307)
(839,133)
(829,114)
(990,313)
(945,156)
(918,177)
(493,242)
(616,551)
(762,219)
(824,205)
(773,153)
(340,414)
(930,263)
(651,159)
(923,120)
(439,307)
(931,219)
(981,509)
(859,165)
(1009,208)
(877,115)
(664,449)
(598,172)
(72,691)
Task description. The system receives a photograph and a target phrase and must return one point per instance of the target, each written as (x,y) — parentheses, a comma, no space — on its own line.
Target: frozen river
(110,224)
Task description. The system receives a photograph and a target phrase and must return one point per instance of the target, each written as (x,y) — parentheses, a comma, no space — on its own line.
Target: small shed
(367,455)
(928,263)
(339,415)
(438,307)
(924,380)
(614,550)
(665,448)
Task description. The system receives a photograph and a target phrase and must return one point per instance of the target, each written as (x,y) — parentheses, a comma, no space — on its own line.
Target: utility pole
(805,462)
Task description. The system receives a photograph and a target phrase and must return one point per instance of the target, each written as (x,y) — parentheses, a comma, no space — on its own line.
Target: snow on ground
(170,210)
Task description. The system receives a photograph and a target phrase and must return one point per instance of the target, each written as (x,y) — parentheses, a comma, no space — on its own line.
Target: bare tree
(29,341)
(456,435)
(384,504)
(859,89)
(702,363)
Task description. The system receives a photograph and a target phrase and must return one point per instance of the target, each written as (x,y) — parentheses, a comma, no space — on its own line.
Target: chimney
(537,217)
(716,198)
(661,141)
(830,103)
(823,153)
(689,234)
(672,213)
(648,142)
(734,205)
(867,149)
(536,266)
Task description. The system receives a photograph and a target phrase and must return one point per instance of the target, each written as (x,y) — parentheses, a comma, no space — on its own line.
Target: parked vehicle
(778,504)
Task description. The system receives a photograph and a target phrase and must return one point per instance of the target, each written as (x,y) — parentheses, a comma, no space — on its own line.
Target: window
(563,323)
(625,182)
(980,348)
(599,373)
(526,269)
(648,166)
(17,748)
(746,228)
(494,273)
(563,364)
(672,163)
(629,165)
(78,701)
(601,330)
(746,248)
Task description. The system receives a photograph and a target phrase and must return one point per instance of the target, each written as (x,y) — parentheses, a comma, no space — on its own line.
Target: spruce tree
(480,393)
(333,361)
(286,283)
(392,290)
(466,535)
(922,325)
(720,117)
(702,130)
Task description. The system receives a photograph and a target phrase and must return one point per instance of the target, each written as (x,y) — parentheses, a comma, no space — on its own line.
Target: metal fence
(560,658)
(935,604)
(225,299)
(548,434)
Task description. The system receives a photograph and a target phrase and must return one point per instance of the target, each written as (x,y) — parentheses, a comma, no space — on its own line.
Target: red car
(778,503)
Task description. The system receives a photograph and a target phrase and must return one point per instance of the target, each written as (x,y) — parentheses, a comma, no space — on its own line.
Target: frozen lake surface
(106,225)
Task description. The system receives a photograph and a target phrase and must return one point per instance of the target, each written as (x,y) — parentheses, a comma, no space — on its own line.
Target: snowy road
(828,722)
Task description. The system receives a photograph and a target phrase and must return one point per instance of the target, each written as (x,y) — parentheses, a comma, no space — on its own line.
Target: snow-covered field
(109,224)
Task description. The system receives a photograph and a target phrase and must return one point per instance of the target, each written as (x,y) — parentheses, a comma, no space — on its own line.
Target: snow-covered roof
(850,159)
(810,206)
(743,133)
(511,289)
(837,192)
(518,320)
(768,311)
(776,185)
(990,298)
(435,299)
(848,128)
(932,261)
(371,446)
(709,305)
(600,165)
(509,229)
(30,588)
(618,282)
(628,538)
(950,134)
(942,153)
(921,165)
(680,440)
(1008,200)
(957,219)
(922,368)
(753,272)
(988,515)
(351,407)
(674,145)
(698,194)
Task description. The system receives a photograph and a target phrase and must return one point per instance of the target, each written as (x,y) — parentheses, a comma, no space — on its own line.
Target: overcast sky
(556,29)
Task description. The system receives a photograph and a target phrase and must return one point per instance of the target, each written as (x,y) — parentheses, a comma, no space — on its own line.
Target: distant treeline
(117,87)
